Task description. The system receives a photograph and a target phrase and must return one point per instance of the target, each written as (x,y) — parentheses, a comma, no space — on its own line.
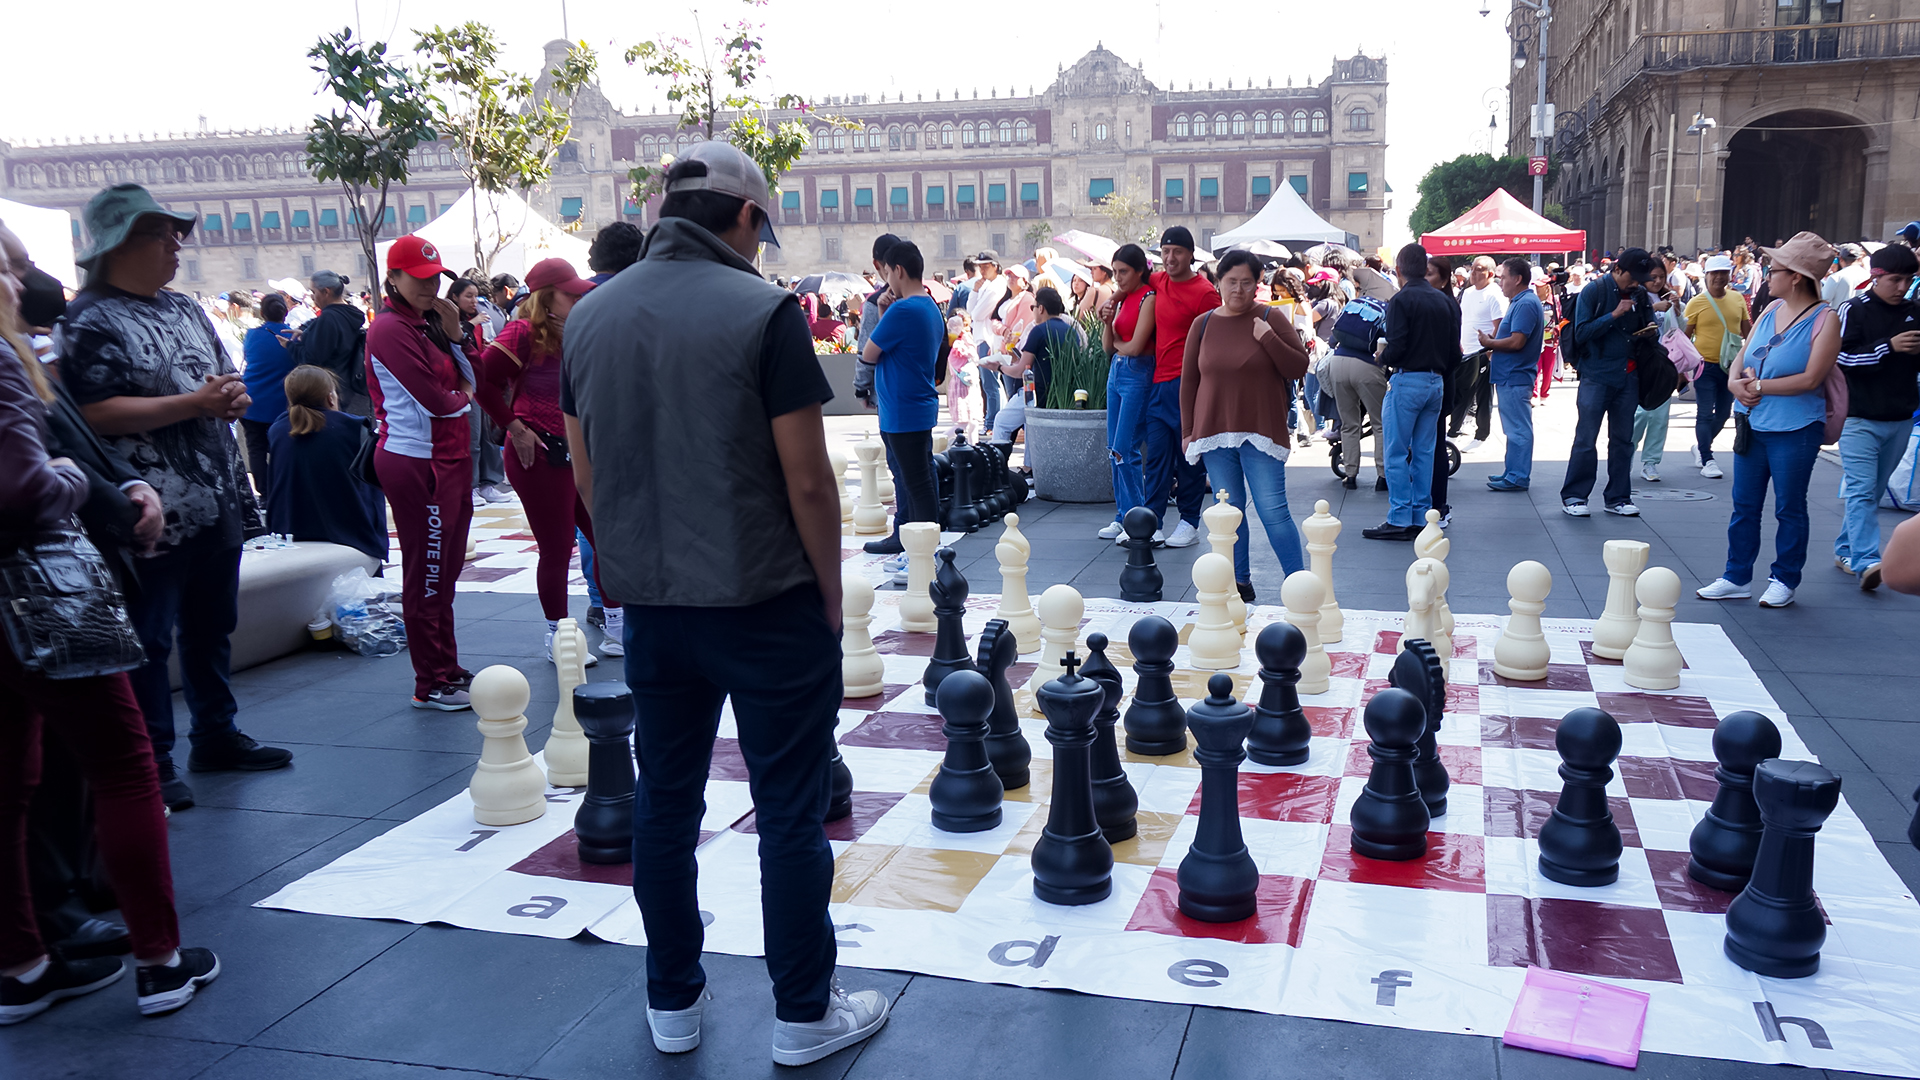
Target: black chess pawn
(1419,671)
(1280,735)
(1774,927)
(1580,844)
(948,590)
(1217,878)
(943,484)
(966,793)
(1156,725)
(1007,747)
(603,826)
(1389,818)
(993,504)
(1140,579)
(840,801)
(1115,804)
(1725,841)
(1072,861)
(967,474)
(1017,492)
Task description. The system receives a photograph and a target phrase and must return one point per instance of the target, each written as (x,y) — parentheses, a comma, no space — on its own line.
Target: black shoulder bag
(62,612)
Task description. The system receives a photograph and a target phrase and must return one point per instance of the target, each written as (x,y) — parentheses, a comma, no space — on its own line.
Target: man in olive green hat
(147,369)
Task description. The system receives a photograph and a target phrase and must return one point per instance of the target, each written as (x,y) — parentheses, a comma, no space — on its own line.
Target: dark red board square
(902,643)
(1668,778)
(1586,650)
(888,691)
(1388,641)
(1518,732)
(868,807)
(475,572)
(1280,911)
(560,858)
(1519,814)
(1349,665)
(1674,710)
(1678,892)
(1018,674)
(1609,941)
(1453,863)
(1696,779)
(1330,723)
(727,762)
(1284,797)
(1461,697)
(898,731)
(1559,677)
(1462,762)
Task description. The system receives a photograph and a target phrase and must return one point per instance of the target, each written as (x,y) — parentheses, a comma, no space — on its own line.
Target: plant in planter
(1067,445)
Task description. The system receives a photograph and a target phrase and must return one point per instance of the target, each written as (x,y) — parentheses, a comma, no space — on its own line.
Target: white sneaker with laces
(900,578)
(1777,595)
(1845,566)
(850,1018)
(1649,472)
(1696,458)
(1722,589)
(1473,445)
(1576,509)
(613,641)
(1446,520)
(1184,535)
(479,500)
(1625,509)
(1711,470)
(1112,530)
(590,659)
(676,1031)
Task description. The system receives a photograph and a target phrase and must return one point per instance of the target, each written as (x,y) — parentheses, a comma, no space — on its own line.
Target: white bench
(280,590)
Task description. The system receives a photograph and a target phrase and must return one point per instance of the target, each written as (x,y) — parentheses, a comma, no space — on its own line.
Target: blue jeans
(1615,405)
(1411,409)
(1712,405)
(1310,393)
(1652,426)
(989,388)
(1129,392)
(1516,424)
(586,564)
(192,589)
(1784,458)
(1869,450)
(1239,469)
(1168,472)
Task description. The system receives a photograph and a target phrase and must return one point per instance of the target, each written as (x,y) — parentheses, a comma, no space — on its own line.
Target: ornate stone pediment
(1100,73)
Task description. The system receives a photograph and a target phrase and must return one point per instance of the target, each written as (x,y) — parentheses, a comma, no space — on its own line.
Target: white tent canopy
(48,235)
(1285,219)
(523,235)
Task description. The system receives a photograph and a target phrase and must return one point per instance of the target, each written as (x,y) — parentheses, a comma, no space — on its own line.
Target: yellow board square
(1148,845)
(1183,758)
(1188,683)
(917,879)
(1039,788)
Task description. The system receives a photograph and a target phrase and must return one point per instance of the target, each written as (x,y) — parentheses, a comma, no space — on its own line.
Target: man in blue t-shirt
(904,348)
(1515,348)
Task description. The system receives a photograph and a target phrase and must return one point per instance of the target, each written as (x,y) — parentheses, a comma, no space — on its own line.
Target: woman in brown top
(1234,402)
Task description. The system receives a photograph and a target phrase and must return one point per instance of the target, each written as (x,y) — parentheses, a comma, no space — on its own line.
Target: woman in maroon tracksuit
(422,391)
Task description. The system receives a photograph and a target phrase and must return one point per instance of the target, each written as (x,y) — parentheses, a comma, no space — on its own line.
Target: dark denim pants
(1784,459)
(194,589)
(1614,405)
(1712,405)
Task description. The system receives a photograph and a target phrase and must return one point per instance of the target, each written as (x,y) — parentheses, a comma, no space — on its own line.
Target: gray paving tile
(356,781)
(305,863)
(1844,695)
(421,801)
(316,714)
(253,1063)
(45,1052)
(1882,744)
(216,850)
(1223,1044)
(1517,1064)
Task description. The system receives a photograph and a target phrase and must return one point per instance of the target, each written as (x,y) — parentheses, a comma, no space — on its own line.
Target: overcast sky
(100,67)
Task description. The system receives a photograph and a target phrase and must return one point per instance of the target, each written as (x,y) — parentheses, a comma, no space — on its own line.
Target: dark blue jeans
(194,589)
(1614,405)
(1168,472)
(1712,405)
(780,662)
(1785,459)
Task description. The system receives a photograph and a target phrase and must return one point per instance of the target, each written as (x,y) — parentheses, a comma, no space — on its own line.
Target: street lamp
(1517,29)
(1702,124)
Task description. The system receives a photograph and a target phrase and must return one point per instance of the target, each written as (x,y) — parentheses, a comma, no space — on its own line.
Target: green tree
(1129,214)
(505,134)
(1037,235)
(363,145)
(1451,188)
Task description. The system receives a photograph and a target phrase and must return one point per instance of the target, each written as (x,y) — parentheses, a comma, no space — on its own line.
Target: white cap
(1719,262)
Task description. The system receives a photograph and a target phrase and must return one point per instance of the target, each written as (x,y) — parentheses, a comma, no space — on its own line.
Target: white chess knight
(566,749)
(1214,644)
(921,539)
(1433,543)
(1222,520)
(839,461)
(1653,661)
(861,666)
(1320,530)
(1426,584)
(507,788)
(869,517)
(1015,605)
(1303,594)
(1615,628)
(1521,651)
(1060,609)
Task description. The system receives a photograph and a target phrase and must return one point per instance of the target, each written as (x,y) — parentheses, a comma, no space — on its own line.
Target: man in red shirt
(1180,297)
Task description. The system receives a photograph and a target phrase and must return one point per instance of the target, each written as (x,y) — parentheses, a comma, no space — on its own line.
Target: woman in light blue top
(1780,414)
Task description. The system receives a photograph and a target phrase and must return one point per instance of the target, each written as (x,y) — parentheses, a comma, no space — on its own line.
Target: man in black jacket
(336,340)
(1423,343)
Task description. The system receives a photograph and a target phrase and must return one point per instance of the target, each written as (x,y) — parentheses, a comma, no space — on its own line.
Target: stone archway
(1780,182)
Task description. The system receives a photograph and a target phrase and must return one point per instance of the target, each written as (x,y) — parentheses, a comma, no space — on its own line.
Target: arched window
(932,136)
(859,138)
(1020,131)
(1300,122)
(679,142)
(839,138)
(1359,119)
(874,135)
(1259,123)
(893,137)
(1220,123)
(1100,132)
(966,133)
(1319,121)
(446,156)
(1006,132)
(644,150)
(946,135)
(1181,128)
(1239,123)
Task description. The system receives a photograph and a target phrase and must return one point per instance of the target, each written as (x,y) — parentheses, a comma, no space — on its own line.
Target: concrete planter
(1068,449)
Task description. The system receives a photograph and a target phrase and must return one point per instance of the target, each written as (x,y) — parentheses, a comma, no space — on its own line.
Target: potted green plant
(1067,438)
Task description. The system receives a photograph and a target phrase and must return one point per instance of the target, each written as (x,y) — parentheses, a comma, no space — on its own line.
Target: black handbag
(362,468)
(62,611)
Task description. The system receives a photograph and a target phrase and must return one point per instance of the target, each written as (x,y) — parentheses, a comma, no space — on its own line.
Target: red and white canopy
(1500,224)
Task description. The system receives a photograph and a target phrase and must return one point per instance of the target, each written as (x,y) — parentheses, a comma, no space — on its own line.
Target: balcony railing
(1696,49)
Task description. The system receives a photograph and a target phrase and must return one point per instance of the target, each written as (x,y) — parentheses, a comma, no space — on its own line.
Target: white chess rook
(1521,651)
(1015,605)
(1320,530)
(1653,661)
(921,539)
(1615,628)
(1222,520)
(566,750)
(1060,609)
(1214,644)
(507,788)
(1303,594)
(861,666)
(869,518)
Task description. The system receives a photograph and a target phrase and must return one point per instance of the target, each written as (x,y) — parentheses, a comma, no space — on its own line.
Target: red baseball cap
(559,274)
(417,256)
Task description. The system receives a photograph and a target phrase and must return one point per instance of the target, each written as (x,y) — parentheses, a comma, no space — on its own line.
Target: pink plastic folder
(1578,1016)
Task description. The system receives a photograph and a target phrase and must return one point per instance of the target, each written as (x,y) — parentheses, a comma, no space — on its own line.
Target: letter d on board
(1041,950)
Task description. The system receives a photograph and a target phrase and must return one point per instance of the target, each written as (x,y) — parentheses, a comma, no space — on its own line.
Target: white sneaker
(494,493)
(1446,520)
(676,1031)
(1184,535)
(850,1018)
(1845,566)
(1473,445)
(1112,530)
(479,500)
(1696,457)
(895,563)
(900,578)
(1722,589)
(1711,470)
(590,658)
(1649,472)
(1625,509)
(1777,595)
(613,641)
(1576,509)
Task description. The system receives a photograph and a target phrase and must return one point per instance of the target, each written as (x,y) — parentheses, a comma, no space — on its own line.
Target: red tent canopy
(1498,224)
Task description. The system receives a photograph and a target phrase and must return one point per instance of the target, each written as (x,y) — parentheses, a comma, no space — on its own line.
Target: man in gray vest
(693,401)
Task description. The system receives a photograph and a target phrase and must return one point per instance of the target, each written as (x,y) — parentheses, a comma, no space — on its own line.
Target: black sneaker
(890,546)
(237,753)
(1351,483)
(63,979)
(174,791)
(596,615)
(95,938)
(1379,483)
(1246,591)
(164,989)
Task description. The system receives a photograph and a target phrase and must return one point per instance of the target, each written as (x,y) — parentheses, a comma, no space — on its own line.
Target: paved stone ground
(304,997)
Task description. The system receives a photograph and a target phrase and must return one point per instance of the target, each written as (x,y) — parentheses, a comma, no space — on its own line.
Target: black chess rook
(603,826)
(1156,725)
(1115,803)
(1072,861)
(1774,927)
(1726,840)
(1280,735)
(966,792)
(1140,579)
(1007,745)
(1218,880)
(1580,844)
(948,590)
(1419,671)
(1389,818)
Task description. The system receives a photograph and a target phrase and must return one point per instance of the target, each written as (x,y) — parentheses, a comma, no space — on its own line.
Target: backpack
(1655,370)
(1359,325)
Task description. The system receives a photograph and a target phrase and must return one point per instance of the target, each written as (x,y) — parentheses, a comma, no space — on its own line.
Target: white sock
(32,975)
(553,626)
(617,617)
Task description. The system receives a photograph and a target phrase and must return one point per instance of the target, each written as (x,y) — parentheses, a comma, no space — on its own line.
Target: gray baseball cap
(729,172)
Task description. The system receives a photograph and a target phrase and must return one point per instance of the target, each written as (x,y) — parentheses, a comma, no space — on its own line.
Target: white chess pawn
(566,750)
(1015,605)
(473,548)
(869,517)
(839,461)
(1303,595)
(941,440)
(1320,531)
(921,539)
(861,666)
(1223,523)
(507,787)
(1060,609)
(1617,625)
(1214,644)
(1653,661)
(1521,651)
